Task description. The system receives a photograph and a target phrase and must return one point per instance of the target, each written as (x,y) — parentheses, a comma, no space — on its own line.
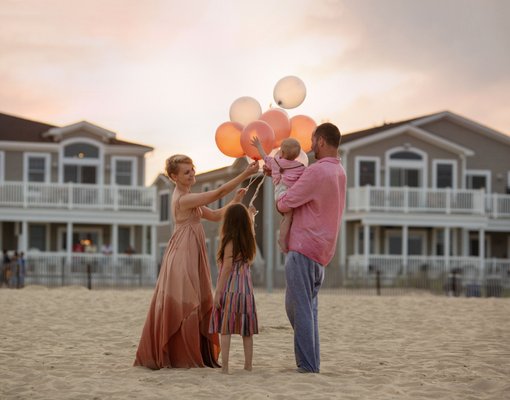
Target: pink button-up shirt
(318,201)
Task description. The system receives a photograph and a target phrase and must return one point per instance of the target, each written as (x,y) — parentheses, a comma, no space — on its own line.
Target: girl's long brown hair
(237,228)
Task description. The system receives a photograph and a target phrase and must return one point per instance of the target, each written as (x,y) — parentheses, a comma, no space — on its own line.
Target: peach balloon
(279,121)
(302,128)
(228,139)
(264,132)
(245,110)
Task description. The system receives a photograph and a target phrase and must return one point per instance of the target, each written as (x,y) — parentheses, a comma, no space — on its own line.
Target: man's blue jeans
(304,278)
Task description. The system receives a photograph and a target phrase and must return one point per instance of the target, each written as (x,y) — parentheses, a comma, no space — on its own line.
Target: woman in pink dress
(176,334)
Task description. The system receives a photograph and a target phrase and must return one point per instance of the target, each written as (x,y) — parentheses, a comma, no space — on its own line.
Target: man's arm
(301,192)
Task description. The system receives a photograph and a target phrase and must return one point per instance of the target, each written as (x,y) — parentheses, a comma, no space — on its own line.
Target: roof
(22,130)
(348,137)
(19,129)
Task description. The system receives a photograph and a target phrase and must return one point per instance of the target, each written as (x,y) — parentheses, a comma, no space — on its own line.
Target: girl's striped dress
(237,314)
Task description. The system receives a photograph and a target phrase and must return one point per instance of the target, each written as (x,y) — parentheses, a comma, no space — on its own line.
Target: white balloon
(303,158)
(245,110)
(289,92)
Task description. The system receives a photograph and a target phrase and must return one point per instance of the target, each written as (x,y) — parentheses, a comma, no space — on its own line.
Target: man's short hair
(330,133)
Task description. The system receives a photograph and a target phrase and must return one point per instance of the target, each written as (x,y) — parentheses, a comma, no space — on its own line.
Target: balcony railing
(419,200)
(77,196)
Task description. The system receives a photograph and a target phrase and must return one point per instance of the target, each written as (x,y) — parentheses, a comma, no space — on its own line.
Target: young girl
(234,302)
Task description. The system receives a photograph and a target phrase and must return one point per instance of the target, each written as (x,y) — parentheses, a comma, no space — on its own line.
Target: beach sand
(72,343)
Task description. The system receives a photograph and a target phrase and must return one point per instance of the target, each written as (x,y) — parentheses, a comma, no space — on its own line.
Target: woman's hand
(239,195)
(252,168)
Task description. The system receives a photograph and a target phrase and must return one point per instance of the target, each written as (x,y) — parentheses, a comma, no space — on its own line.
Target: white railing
(77,196)
(412,200)
(470,270)
(55,269)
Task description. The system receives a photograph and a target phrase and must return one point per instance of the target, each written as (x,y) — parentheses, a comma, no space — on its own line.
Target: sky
(164,73)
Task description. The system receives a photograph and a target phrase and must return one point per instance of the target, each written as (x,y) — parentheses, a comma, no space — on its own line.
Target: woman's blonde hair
(172,164)
(237,228)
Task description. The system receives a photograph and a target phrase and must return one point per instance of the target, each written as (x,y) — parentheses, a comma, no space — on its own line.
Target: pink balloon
(279,121)
(228,139)
(265,134)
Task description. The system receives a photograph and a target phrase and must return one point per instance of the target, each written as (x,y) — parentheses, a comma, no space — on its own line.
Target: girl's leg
(248,352)
(225,349)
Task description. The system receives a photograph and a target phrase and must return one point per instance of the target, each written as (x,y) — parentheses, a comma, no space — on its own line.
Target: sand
(72,343)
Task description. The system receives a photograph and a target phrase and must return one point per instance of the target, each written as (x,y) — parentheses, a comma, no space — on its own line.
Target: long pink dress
(175,334)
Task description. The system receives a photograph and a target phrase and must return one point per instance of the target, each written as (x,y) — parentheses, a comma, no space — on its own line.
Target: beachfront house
(427,197)
(74,201)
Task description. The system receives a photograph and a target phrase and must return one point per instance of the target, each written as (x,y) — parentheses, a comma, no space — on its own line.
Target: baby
(285,171)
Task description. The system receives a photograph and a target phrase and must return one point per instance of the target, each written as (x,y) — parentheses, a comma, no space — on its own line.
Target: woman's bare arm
(217,215)
(192,200)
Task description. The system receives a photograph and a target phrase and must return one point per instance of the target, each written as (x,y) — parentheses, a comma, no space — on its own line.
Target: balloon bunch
(233,137)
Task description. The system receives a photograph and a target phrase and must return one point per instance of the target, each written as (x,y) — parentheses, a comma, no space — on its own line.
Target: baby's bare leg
(284,231)
(225,350)
(248,352)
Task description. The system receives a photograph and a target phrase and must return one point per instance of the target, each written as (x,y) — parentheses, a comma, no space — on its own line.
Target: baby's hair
(290,148)
(237,228)
(172,164)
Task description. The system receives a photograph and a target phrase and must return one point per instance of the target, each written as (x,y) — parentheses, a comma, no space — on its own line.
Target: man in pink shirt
(318,201)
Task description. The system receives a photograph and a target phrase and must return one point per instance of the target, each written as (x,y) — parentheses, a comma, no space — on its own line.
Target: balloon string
(252,179)
(256,191)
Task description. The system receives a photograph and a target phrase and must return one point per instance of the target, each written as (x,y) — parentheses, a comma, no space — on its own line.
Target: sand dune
(72,343)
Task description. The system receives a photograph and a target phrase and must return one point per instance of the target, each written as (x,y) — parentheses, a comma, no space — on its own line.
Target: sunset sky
(165,72)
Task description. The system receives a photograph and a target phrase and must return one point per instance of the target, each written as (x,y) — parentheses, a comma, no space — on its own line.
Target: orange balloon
(264,132)
(301,129)
(228,139)
(279,121)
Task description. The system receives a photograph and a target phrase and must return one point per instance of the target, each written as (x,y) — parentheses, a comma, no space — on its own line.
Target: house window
(80,174)
(37,167)
(367,171)
(360,243)
(404,177)
(81,163)
(478,179)
(163,207)
(81,150)
(37,237)
(474,245)
(124,238)
(406,167)
(416,243)
(123,172)
(445,173)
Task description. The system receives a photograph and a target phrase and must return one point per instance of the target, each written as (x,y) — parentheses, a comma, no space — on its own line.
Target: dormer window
(406,166)
(81,162)
(81,150)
